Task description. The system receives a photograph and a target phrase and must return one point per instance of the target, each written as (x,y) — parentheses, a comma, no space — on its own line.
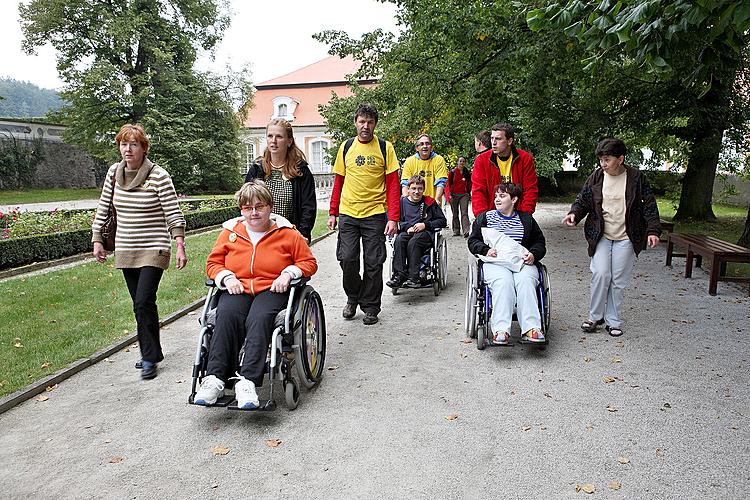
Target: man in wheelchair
(510,243)
(253,261)
(420,217)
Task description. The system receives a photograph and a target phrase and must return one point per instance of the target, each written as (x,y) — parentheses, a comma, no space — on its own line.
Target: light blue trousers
(611,269)
(511,289)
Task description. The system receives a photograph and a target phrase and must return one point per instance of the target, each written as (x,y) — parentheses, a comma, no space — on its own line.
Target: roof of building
(330,69)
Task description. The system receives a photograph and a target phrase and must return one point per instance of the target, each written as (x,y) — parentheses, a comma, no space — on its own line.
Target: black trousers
(365,290)
(409,248)
(143,283)
(243,320)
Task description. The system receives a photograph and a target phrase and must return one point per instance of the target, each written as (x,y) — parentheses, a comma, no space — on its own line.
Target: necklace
(278,167)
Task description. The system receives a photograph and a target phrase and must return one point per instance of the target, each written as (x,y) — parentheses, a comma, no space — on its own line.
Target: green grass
(66,315)
(47,195)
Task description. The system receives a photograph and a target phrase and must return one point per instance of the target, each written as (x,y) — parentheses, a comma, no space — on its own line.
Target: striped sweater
(147,212)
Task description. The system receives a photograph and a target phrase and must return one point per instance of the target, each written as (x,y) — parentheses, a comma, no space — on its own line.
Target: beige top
(613,206)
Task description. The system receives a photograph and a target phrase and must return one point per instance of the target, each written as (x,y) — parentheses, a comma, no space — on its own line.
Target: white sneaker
(244,391)
(211,389)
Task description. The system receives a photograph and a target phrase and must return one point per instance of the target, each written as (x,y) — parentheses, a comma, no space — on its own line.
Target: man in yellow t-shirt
(365,189)
(429,165)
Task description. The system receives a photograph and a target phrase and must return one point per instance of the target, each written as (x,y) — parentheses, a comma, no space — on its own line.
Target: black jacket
(304,200)
(641,211)
(533,238)
(432,215)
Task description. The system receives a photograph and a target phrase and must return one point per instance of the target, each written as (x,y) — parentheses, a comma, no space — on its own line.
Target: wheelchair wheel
(470,315)
(310,337)
(394,291)
(482,335)
(544,302)
(443,260)
(436,285)
(291,394)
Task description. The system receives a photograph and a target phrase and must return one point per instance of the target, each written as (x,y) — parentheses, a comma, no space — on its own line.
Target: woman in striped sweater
(511,287)
(147,215)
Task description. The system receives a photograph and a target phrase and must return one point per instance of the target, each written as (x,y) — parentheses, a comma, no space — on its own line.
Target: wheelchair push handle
(295,282)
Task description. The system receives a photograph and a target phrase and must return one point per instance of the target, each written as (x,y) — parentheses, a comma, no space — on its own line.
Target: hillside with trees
(26,100)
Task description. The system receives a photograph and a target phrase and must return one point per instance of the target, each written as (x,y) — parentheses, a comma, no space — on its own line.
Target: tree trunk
(745,238)
(698,183)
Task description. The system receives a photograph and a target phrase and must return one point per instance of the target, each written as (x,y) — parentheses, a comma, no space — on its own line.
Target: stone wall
(65,166)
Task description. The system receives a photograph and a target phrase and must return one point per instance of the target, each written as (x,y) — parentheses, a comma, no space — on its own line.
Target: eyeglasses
(260,207)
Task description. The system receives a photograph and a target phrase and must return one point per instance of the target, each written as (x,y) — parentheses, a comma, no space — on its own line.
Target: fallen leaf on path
(273,443)
(42,398)
(332,367)
(526,428)
(589,427)
(51,388)
(623,460)
(215,485)
(547,395)
(620,343)
(220,450)
(116,460)
(586,359)
(578,488)
(467,341)
(588,488)
(180,381)
(660,453)
(608,379)
(452,416)
(611,409)
(439,338)
(46,365)
(614,485)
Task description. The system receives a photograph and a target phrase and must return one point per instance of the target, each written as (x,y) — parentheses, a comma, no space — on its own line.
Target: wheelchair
(434,267)
(297,350)
(478,308)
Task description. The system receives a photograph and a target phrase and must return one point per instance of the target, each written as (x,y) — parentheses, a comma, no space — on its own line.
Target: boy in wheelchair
(513,281)
(420,217)
(253,262)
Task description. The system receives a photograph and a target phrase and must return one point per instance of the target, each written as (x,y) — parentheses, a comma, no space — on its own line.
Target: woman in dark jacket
(511,287)
(286,174)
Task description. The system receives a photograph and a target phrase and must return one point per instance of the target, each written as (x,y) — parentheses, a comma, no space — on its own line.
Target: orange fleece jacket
(283,248)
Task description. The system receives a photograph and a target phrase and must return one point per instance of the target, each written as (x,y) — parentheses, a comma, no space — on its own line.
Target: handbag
(109,226)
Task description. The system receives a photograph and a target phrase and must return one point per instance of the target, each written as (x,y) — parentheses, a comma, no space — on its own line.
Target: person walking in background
(503,163)
(621,219)
(482,141)
(366,184)
(147,214)
(459,187)
(428,165)
(285,171)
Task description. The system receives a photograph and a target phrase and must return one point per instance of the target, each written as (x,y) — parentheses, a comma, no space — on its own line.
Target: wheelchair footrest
(222,402)
(265,405)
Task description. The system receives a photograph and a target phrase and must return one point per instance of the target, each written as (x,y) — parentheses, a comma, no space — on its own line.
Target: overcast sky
(273,37)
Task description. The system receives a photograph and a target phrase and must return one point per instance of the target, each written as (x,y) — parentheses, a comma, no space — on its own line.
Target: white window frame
(319,165)
(249,156)
(291,107)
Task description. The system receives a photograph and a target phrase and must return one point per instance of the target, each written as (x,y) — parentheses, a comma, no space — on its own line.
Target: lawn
(53,319)
(14,198)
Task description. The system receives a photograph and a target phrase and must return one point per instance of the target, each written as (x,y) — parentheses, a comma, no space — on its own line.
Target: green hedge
(21,251)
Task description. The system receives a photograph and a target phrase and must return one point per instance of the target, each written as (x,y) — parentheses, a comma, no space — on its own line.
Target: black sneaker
(410,283)
(349,311)
(395,282)
(149,370)
(370,319)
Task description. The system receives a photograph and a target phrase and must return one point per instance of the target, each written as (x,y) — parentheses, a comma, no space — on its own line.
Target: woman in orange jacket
(254,259)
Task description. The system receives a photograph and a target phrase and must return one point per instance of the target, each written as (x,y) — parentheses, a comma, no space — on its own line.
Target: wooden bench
(667,228)
(720,252)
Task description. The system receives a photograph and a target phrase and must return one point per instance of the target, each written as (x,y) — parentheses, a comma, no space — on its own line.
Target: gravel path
(406,409)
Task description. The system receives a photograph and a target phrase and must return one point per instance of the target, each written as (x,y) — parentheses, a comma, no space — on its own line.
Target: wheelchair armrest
(299,281)
(210,282)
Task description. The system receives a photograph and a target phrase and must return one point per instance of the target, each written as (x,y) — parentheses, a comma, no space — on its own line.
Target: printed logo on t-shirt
(361,160)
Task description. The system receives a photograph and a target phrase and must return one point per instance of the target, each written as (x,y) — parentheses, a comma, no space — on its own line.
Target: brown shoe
(349,311)
(370,319)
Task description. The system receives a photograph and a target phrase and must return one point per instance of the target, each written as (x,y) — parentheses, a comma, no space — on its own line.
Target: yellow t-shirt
(432,170)
(504,167)
(364,170)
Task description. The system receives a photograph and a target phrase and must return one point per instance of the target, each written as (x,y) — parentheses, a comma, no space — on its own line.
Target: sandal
(534,336)
(589,326)
(500,338)
(614,331)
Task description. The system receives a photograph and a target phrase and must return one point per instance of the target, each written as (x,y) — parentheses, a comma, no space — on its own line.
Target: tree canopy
(132,62)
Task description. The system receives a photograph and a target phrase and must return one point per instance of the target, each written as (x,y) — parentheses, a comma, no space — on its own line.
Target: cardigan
(147,214)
